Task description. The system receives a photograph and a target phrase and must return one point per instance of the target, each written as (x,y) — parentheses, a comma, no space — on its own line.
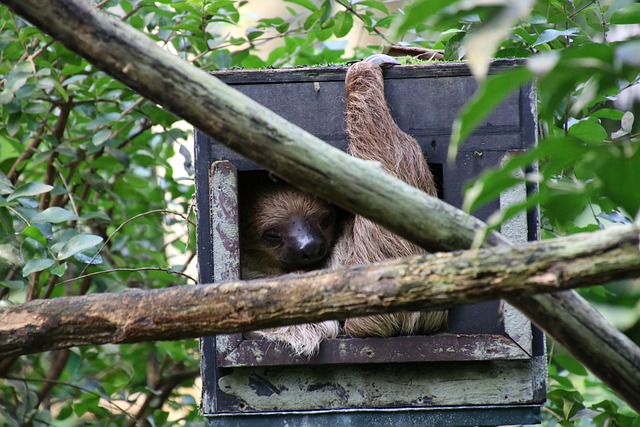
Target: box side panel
(318,107)
(377,386)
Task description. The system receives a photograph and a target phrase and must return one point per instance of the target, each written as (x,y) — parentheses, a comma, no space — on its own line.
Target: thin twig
(132,269)
(350,9)
(77,387)
(583,7)
(121,226)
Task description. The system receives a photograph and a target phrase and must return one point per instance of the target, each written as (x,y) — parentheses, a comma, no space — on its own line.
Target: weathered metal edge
(202,152)
(406,417)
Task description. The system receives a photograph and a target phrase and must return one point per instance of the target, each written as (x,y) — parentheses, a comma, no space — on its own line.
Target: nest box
(489,368)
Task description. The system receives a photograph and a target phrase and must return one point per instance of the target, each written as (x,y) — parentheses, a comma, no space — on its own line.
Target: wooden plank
(516,325)
(222,255)
(224,219)
(225,345)
(376,386)
(435,348)
(337,72)
(323,114)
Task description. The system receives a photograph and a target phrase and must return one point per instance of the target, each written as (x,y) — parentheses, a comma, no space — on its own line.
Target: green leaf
(588,131)
(304,3)
(550,35)
(326,11)
(253,33)
(325,33)
(630,14)
(6,221)
(77,244)
(5,184)
(489,186)
(253,62)
(18,76)
(35,107)
(6,96)
(570,364)
(343,24)
(13,285)
(35,233)
(282,28)
(276,54)
(28,190)
(65,412)
(419,11)
(101,136)
(556,153)
(593,19)
(608,113)
(482,43)
(524,35)
(25,91)
(60,269)
(494,89)
(55,215)
(13,124)
(35,265)
(94,260)
(616,167)
(374,5)
(311,19)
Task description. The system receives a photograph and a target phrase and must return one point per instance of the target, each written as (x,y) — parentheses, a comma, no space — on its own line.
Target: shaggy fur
(303,340)
(373,135)
(272,205)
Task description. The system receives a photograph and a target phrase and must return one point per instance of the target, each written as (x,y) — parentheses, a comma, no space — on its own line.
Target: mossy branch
(421,282)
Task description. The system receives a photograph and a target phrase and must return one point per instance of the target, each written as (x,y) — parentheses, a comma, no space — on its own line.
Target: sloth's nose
(313,250)
(304,245)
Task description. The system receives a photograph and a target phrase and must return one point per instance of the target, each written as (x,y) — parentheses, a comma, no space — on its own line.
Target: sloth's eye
(328,220)
(272,237)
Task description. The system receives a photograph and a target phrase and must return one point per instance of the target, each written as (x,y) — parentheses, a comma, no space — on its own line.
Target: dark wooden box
(488,369)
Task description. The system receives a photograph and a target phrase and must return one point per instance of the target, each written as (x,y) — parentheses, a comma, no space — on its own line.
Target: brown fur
(373,135)
(268,206)
(271,206)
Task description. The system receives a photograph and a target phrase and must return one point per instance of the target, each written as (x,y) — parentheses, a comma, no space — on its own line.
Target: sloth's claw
(382,60)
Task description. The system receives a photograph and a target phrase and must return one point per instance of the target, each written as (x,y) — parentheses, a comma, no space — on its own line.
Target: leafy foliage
(91,202)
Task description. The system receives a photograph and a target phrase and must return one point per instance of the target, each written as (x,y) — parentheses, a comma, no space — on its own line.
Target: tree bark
(428,281)
(304,160)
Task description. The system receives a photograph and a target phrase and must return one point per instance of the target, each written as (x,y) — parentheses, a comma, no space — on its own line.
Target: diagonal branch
(426,281)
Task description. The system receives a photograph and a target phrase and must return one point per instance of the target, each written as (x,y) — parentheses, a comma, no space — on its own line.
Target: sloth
(285,230)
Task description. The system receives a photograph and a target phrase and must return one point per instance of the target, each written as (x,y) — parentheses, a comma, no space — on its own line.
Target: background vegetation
(96,182)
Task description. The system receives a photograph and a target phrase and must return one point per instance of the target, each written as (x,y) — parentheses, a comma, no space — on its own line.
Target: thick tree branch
(298,157)
(426,281)
(247,127)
